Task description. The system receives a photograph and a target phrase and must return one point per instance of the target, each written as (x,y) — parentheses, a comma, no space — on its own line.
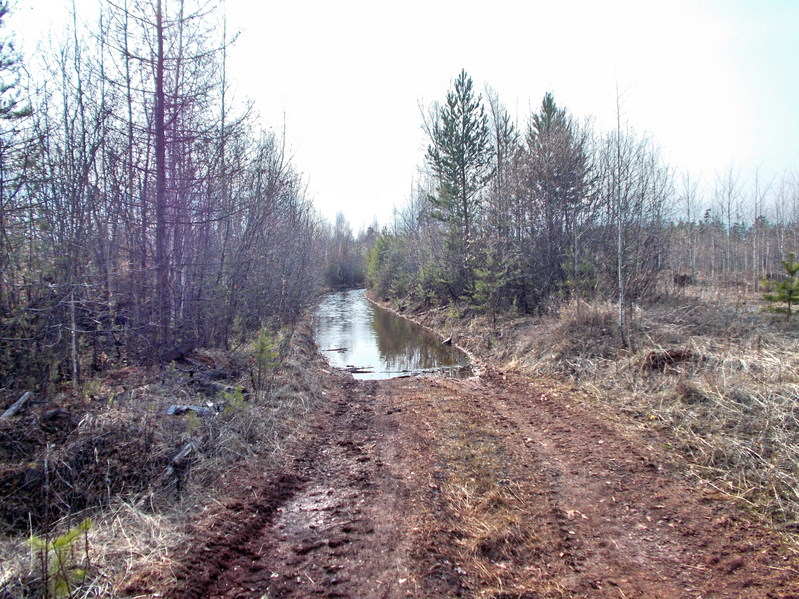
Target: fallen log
(16,406)
(360,369)
(177,462)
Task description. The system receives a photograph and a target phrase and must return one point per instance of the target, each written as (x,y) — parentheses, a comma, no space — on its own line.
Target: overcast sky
(714,83)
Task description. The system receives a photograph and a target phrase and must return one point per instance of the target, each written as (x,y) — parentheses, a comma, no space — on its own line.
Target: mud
(493,487)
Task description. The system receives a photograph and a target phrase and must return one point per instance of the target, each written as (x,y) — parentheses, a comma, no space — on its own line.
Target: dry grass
(710,369)
(126,537)
(139,513)
(714,373)
(487,537)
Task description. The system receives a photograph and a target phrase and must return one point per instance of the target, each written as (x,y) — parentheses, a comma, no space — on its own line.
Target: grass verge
(714,376)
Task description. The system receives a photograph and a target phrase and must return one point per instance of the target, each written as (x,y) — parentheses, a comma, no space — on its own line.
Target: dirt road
(491,487)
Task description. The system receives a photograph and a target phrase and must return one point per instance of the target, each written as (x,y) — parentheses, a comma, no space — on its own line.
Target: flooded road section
(373,343)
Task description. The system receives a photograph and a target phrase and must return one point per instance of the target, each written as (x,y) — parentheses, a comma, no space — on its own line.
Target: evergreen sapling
(787,290)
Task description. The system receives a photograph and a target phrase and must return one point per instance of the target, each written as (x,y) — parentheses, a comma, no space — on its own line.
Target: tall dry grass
(713,372)
(710,369)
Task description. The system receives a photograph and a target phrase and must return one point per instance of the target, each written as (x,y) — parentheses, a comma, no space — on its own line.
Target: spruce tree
(559,184)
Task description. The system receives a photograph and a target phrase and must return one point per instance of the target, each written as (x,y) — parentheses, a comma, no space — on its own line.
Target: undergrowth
(110,450)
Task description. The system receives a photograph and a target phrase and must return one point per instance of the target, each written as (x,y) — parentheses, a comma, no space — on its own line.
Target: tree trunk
(161,257)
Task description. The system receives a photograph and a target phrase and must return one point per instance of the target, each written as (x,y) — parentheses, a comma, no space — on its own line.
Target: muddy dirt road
(491,487)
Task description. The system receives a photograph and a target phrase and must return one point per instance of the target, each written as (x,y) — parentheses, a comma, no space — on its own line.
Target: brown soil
(500,487)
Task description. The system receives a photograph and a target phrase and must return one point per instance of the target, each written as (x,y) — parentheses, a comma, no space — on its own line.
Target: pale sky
(715,83)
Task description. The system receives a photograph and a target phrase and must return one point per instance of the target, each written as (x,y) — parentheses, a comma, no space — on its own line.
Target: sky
(714,83)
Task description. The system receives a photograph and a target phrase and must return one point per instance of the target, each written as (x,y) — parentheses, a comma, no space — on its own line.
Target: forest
(525,217)
(143,209)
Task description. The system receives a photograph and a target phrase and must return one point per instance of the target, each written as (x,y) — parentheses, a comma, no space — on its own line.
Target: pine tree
(490,282)
(558,170)
(460,156)
(787,290)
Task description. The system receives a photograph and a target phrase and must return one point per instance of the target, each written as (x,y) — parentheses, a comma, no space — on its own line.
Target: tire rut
(486,488)
(631,524)
(341,533)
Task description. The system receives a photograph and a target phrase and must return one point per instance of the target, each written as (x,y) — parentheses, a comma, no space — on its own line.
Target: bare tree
(146,213)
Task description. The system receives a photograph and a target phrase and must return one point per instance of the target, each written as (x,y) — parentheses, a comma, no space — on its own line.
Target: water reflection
(372,339)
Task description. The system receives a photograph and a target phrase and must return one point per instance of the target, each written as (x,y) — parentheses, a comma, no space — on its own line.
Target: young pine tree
(787,290)
(460,156)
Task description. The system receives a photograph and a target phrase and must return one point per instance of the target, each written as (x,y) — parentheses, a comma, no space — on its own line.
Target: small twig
(334,525)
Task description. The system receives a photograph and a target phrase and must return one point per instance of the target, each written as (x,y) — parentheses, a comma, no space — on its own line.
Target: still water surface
(373,339)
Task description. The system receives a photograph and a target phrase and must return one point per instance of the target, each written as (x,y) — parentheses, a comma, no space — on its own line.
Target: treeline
(141,208)
(740,234)
(345,254)
(514,218)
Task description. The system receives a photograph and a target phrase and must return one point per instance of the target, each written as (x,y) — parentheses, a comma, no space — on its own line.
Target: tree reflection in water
(368,336)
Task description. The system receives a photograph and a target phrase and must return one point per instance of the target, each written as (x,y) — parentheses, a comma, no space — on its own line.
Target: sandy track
(489,487)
